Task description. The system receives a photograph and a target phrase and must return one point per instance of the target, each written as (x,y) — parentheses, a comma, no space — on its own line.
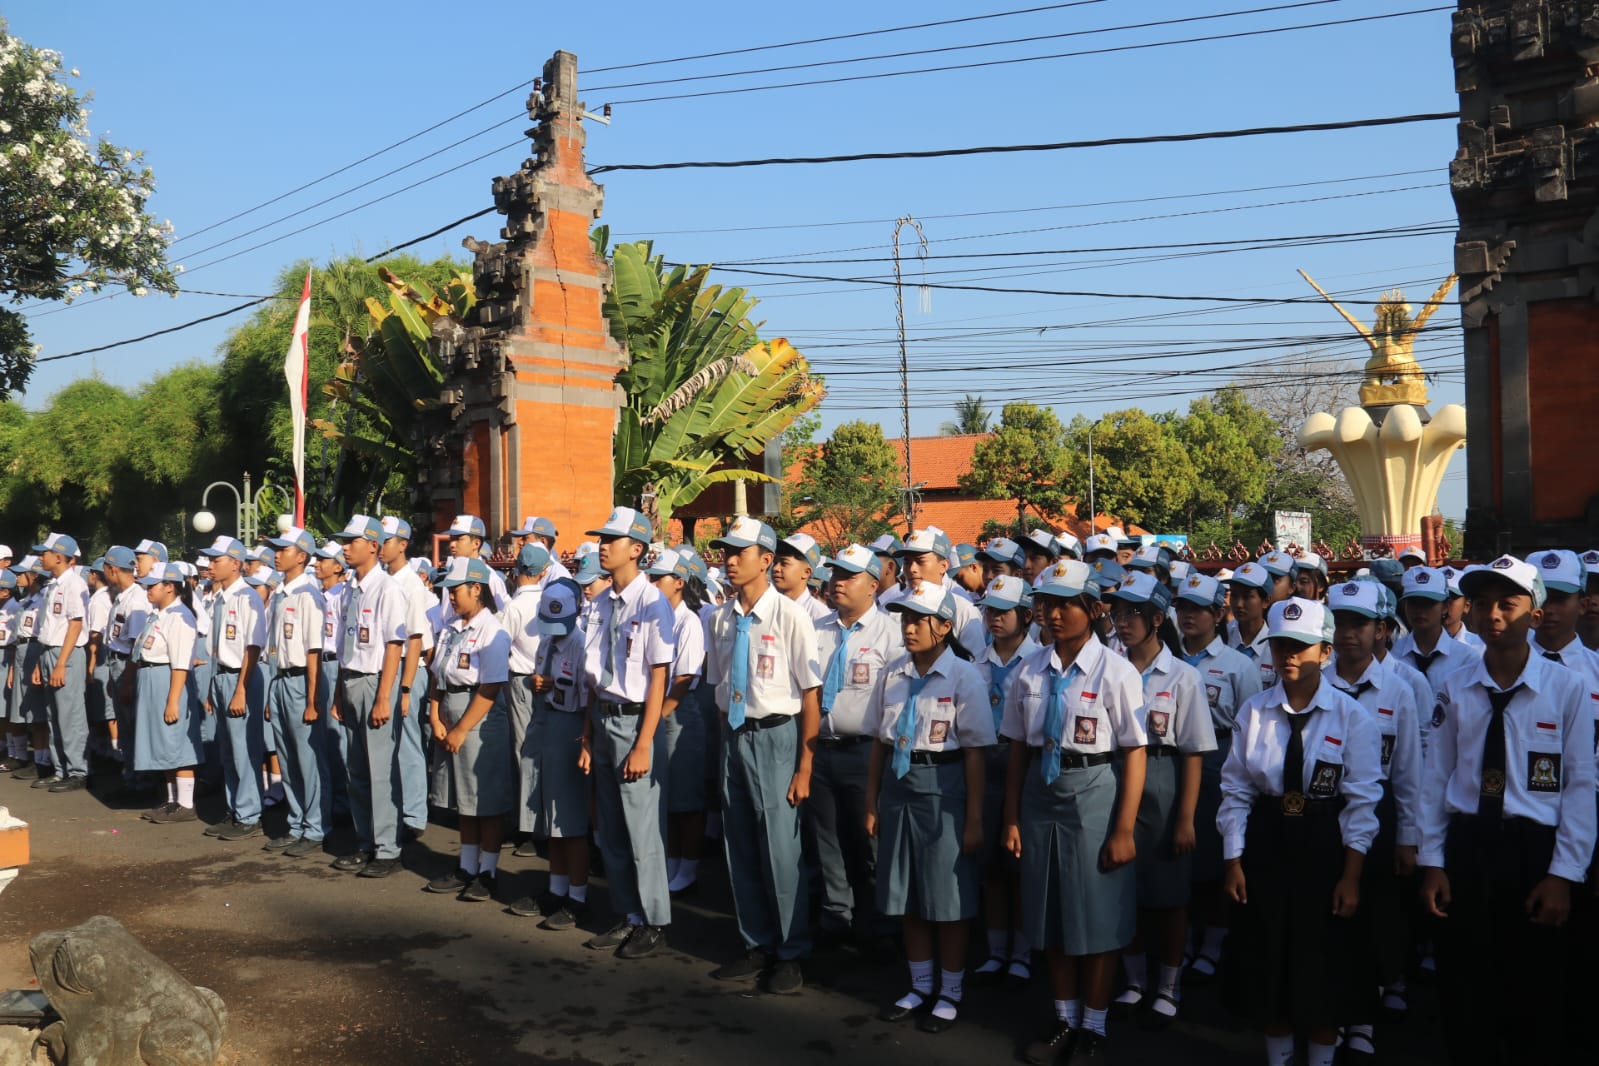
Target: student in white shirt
(1249,592)
(16,734)
(853,645)
(797,559)
(166,739)
(925,557)
(297,617)
(1428,647)
(761,655)
(1298,813)
(521,622)
(924,800)
(237,697)
(129,607)
(97,704)
(413,673)
(1507,829)
(680,712)
(63,634)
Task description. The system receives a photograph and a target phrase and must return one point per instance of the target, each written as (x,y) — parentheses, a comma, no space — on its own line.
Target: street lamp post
(246,509)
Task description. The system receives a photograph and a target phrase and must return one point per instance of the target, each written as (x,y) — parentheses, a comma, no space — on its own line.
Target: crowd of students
(1139,772)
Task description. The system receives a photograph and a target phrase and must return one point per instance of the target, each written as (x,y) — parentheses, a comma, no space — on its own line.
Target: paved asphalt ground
(320,967)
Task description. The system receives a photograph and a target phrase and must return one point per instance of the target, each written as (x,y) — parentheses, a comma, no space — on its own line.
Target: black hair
(695,594)
(1160,624)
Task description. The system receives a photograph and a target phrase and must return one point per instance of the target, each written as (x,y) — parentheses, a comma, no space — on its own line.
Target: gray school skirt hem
(1164,880)
(1068,903)
(921,870)
(557,802)
(157,745)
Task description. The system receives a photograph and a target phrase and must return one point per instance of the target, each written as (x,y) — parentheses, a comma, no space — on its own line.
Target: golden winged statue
(1392,374)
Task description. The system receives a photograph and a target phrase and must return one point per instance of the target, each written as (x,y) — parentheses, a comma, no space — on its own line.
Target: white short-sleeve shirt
(476,651)
(951,710)
(1104,701)
(782,654)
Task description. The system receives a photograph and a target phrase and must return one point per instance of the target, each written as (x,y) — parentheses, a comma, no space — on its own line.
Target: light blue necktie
(1054,724)
(608,674)
(1196,658)
(907,727)
(738,673)
(998,678)
(835,669)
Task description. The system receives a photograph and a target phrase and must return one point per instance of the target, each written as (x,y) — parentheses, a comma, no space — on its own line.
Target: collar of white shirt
(1088,659)
(941,666)
(1531,674)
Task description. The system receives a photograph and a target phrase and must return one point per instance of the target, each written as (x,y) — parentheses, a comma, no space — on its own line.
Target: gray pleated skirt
(557,799)
(994,855)
(1164,880)
(157,745)
(1068,903)
(30,702)
(685,754)
(199,689)
(476,781)
(921,870)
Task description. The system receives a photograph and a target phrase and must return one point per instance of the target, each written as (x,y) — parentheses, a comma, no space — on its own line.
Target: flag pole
(297,369)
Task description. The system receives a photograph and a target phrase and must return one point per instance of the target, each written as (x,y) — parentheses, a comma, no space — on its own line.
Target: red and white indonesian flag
(296,367)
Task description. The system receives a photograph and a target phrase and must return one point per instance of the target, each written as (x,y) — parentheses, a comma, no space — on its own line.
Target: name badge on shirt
(55,608)
(860,673)
(116,630)
(937,732)
(1388,747)
(288,630)
(230,632)
(365,635)
(1159,723)
(1543,771)
(149,642)
(463,661)
(1213,694)
(1324,779)
(766,667)
(327,629)
(1086,730)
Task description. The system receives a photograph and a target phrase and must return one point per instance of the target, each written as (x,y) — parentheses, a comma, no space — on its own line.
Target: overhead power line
(1056,146)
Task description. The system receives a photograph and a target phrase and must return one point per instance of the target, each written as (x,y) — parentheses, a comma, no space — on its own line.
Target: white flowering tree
(72,216)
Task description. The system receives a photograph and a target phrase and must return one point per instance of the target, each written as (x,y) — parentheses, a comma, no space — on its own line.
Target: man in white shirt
(853,646)
(797,559)
(467,536)
(130,609)
(238,696)
(63,631)
(371,646)
(761,656)
(925,557)
(627,747)
(330,576)
(298,617)
(413,672)
(536,530)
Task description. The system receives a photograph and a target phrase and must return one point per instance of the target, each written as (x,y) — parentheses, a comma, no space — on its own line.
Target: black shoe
(282,843)
(70,784)
(528,849)
(644,942)
(569,915)
(785,978)
(174,813)
(540,906)
(379,868)
(1089,1045)
(481,888)
(612,938)
(26,772)
(450,884)
(240,830)
(932,1023)
(302,847)
(352,862)
(216,830)
(896,1013)
(8,765)
(408,835)
(750,964)
(46,778)
(164,808)
(1054,1046)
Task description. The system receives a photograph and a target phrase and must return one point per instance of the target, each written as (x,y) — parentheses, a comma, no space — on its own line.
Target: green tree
(72,216)
(1024,459)
(704,393)
(1232,445)
(971,416)
(849,487)
(355,407)
(1142,472)
(798,448)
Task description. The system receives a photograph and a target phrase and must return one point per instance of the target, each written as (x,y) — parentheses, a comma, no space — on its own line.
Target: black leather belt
(621,710)
(358,673)
(1070,760)
(121,656)
(936,758)
(456,690)
(1160,751)
(843,742)
(291,671)
(771,721)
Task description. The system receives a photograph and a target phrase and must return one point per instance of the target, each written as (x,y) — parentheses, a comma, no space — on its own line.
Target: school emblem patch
(1324,779)
(1543,771)
(1493,783)
(1352,589)
(1551,562)
(1086,731)
(1422,577)
(1504,562)
(1060,570)
(1292,612)
(1159,722)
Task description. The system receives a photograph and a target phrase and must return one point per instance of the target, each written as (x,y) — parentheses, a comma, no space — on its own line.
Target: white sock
(1137,968)
(1319,1054)
(1171,984)
(469,858)
(1279,1051)
(186,792)
(688,871)
(489,862)
(560,884)
(921,985)
(172,791)
(1069,1011)
(950,983)
(580,893)
(1094,1021)
(14,746)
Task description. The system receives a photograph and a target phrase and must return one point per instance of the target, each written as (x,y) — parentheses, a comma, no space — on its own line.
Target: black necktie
(1554,657)
(1360,689)
(1424,662)
(1491,804)
(1294,765)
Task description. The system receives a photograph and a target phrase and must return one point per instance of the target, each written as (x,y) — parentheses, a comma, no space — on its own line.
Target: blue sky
(232,110)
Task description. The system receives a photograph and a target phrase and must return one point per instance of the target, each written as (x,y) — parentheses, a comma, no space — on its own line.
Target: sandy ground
(320,967)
